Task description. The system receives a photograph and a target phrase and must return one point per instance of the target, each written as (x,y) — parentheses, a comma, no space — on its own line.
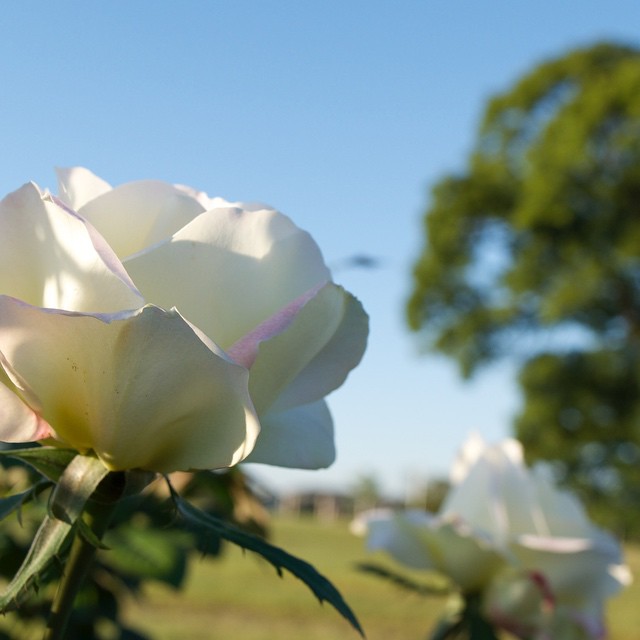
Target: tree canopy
(533,252)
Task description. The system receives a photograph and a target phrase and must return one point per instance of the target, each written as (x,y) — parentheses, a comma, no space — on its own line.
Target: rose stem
(79,562)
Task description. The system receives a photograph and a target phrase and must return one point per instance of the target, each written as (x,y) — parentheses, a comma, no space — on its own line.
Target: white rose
(544,529)
(501,515)
(165,330)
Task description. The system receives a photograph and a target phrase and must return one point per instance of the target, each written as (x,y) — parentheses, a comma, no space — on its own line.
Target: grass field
(240,596)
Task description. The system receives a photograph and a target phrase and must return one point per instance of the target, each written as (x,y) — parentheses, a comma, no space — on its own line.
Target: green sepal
(465,622)
(481,629)
(322,588)
(49,461)
(86,532)
(75,486)
(449,629)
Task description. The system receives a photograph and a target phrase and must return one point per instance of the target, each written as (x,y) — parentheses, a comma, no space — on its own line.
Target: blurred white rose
(165,330)
(501,524)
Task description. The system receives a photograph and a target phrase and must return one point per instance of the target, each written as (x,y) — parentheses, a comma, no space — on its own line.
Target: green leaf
(76,485)
(436,588)
(47,543)
(12,503)
(49,461)
(280,559)
(158,554)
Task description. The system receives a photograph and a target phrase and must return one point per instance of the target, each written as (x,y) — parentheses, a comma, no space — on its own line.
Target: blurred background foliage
(532,252)
(146,543)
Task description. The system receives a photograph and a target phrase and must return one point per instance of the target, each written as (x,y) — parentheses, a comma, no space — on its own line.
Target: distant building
(324,506)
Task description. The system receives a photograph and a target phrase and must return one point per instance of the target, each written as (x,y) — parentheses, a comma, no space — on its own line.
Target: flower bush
(147,329)
(523,550)
(165,330)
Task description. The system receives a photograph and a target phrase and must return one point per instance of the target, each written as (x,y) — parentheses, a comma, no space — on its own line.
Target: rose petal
(576,568)
(579,623)
(18,421)
(563,513)
(421,541)
(77,185)
(313,355)
(389,532)
(139,388)
(203,198)
(460,553)
(245,350)
(296,358)
(497,495)
(51,257)
(301,438)
(229,270)
(136,215)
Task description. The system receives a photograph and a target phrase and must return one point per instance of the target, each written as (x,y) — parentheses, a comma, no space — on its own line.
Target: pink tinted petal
(296,358)
(245,350)
(18,421)
(313,355)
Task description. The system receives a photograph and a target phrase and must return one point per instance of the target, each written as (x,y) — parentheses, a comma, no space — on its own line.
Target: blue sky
(340,113)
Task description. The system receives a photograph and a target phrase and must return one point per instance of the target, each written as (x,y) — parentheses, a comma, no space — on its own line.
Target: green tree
(533,253)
